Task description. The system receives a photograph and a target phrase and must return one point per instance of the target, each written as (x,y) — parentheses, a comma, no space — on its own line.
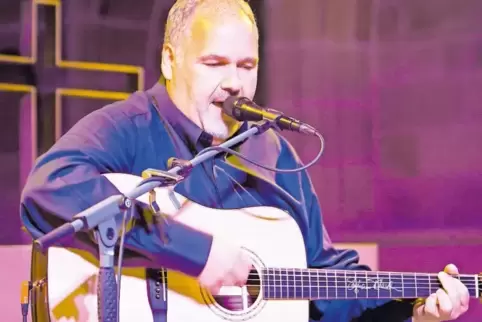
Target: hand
(445,304)
(227,265)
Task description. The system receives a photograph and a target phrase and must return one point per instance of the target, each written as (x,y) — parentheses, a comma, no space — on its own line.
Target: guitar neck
(313,284)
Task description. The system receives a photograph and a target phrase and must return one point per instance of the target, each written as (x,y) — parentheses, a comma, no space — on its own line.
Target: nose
(232,83)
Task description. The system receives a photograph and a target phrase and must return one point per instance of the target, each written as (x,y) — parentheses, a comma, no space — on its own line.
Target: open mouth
(218,104)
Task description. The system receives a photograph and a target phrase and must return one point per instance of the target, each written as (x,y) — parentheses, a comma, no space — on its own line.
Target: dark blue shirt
(143,132)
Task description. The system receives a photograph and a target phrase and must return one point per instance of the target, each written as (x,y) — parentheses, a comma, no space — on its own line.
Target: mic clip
(159,217)
(265,126)
(185,165)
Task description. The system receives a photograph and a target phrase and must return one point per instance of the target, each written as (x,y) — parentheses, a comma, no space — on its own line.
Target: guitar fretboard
(282,283)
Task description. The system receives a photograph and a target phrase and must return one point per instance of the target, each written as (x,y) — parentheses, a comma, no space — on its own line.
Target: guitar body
(271,237)
(65,280)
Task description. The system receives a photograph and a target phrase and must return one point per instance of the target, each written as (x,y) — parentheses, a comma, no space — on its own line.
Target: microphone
(243,109)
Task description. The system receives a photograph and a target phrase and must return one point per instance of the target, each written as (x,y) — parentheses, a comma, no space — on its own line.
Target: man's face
(218,60)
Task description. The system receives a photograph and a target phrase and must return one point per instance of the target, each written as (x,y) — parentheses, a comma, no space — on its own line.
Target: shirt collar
(189,131)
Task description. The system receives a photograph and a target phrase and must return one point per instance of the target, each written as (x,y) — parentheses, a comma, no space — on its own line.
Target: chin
(218,124)
(221,136)
(218,130)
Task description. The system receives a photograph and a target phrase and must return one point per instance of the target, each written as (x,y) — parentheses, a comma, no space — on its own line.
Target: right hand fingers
(215,288)
(241,269)
(237,275)
(226,265)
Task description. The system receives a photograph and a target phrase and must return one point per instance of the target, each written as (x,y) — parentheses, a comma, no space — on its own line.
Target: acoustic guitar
(279,289)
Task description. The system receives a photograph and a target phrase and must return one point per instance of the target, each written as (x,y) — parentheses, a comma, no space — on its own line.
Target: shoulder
(287,155)
(298,183)
(135,107)
(273,149)
(120,115)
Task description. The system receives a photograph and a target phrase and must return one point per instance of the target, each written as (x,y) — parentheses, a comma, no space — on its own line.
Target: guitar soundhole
(240,298)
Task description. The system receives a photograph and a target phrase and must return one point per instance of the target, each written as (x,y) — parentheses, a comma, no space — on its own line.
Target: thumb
(451,269)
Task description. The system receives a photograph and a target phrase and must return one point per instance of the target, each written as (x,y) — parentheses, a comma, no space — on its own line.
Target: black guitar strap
(156,279)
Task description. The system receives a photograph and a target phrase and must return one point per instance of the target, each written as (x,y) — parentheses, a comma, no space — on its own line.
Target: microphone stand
(101,218)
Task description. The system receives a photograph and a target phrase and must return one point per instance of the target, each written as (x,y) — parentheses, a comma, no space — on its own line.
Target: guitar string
(335,289)
(362,275)
(237,300)
(422,278)
(405,286)
(470,287)
(319,281)
(323,280)
(342,272)
(342,287)
(390,278)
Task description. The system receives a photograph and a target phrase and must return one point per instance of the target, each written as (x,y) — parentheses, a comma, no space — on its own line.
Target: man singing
(210,52)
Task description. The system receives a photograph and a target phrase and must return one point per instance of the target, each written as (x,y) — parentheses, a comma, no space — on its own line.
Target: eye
(214,64)
(247,66)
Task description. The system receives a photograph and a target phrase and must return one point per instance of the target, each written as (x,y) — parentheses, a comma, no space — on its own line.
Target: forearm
(44,209)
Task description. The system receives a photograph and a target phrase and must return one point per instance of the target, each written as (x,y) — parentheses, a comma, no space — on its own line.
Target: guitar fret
(429,284)
(302,286)
(309,284)
(268,282)
(326,279)
(291,275)
(299,274)
(272,281)
(378,289)
(318,284)
(366,283)
(416,287)
(295,283)
(356,278)
(346,287)
(403,288)
(285,273)
(390,281)
(477,291)
(281,282)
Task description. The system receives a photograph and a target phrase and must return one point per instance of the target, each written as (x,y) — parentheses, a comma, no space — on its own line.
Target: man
(210,52)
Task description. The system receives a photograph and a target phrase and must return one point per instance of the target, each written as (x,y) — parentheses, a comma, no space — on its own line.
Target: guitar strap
(156,279)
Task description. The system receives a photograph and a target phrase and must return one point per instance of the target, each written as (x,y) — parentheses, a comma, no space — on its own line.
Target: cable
(121,255)
(239,155)
(25,298)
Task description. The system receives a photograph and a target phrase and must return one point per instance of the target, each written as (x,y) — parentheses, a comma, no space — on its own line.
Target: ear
(167,61)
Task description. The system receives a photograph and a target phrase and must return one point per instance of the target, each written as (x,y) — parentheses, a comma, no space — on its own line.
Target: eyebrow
(214,57)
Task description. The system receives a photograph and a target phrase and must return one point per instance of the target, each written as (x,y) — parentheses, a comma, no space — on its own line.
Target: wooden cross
(29,136)
(41,120)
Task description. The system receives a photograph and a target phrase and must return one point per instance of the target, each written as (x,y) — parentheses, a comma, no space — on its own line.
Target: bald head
(183,12)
